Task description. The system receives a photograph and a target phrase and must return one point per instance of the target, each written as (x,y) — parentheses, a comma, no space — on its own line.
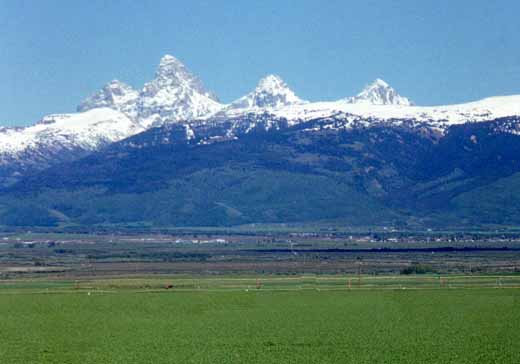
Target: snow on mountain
(114,113)
(439,117)
(86,130)
(379,93)
(378,102)
(115,95)
(174,95)
(271,92)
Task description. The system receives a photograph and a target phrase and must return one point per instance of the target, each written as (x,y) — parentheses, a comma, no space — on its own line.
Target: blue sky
(55,53)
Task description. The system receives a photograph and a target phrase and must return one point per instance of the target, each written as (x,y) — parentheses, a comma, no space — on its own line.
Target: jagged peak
(376,86)
(378,83)
(168,58)
(379,92)
(270,92)
(174,94)
(115,86)
(271,82)
(169,65)
(171,72)
(119,88)
(117,83)
(114,94)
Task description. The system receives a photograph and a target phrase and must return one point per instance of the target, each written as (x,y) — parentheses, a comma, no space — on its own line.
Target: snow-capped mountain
(115,95)
(270,93)
(115,112)
(60,137)
(377,103)
(174,95)
(438,117)
(87,130)
(379,93)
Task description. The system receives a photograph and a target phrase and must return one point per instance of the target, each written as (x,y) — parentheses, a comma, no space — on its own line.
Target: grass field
(155,283)
(119,321)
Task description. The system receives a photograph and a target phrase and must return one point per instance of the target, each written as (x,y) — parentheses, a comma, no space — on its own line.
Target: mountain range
(172,154)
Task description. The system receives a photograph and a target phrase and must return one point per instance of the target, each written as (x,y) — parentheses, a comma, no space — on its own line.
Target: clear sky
(55,53)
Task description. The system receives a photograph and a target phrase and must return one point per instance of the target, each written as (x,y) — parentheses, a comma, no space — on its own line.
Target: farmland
(259,298)
(76,256)
(118,321)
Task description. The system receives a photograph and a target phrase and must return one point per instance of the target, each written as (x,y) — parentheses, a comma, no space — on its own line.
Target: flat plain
(255,298)
(118,322)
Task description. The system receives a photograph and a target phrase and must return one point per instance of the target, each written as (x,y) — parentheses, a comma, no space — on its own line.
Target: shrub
(417,268)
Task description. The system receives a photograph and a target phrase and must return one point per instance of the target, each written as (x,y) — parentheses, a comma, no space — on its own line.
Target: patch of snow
(190,134)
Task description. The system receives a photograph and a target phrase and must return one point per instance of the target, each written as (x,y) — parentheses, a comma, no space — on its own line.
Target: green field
(305,325)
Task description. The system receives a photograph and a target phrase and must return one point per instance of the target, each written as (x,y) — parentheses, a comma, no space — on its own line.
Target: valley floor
(202,297)
(242,320)
(77,256)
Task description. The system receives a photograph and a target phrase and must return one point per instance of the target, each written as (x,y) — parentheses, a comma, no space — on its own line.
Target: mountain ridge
(175,109)
(376,174)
